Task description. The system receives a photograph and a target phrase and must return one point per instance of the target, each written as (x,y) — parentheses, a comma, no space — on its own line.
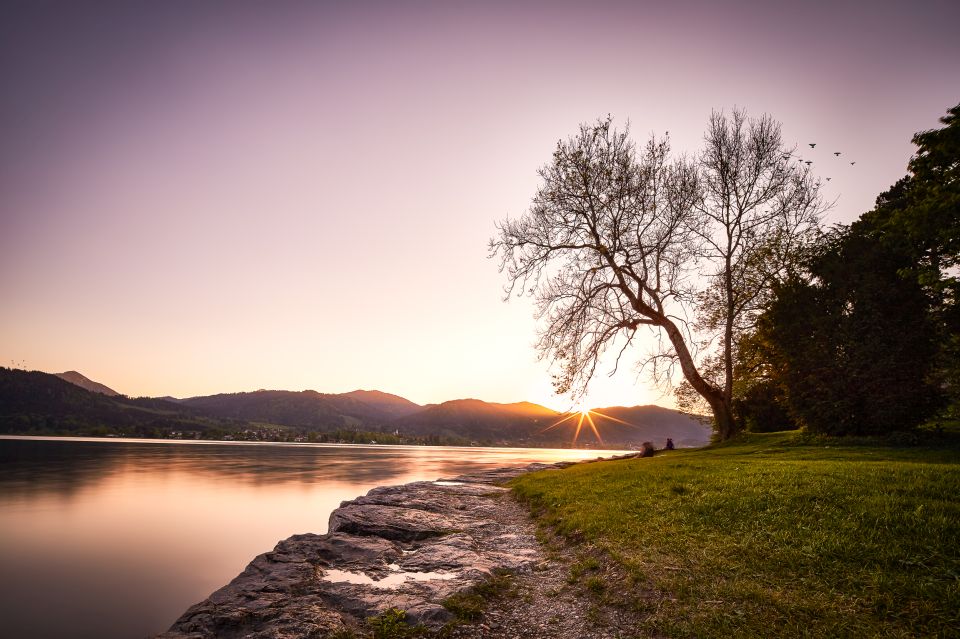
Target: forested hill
(84,382)
(651,423)
(534,425)
(307,409)
(35,403)
(479,420)
(39,403)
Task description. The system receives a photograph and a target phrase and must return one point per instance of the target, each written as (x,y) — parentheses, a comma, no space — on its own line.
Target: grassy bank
(767,536)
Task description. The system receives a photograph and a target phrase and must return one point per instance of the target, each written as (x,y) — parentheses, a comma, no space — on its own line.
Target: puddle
(448,483)
(390,581)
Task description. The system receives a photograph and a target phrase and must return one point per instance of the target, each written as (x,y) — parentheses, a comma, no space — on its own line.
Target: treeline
(374,437)
(277,433)
(40,404)
(35,403)
(864,338)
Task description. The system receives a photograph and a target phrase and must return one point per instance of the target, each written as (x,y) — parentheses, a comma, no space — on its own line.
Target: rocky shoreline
(408,547)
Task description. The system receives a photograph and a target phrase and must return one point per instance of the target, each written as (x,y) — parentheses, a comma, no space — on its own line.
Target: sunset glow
(591,419)
(392,287)
(218,197)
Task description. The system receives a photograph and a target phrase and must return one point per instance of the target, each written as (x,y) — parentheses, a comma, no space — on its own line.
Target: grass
(770,535)
(468,606)
(393,624)
(582,566)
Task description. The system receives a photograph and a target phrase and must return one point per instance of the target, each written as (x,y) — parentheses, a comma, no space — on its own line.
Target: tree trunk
(719,403)
(723,419)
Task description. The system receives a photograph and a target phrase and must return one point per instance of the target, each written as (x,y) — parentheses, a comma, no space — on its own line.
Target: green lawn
(767,536)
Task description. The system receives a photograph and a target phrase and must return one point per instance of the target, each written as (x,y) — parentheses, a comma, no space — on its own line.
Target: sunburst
(586,414)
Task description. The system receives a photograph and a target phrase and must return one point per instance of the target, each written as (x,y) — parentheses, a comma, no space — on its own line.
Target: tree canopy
(854,344)
(867,339)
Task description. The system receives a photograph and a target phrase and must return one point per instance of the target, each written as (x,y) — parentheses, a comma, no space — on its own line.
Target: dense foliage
(855,347)
(865,341)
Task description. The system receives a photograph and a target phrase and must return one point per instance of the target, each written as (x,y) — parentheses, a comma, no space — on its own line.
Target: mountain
(39,403)
(388,404)
(308,409)
(531,424)
(35,403)
(478,420)
(83,382)
(651,423)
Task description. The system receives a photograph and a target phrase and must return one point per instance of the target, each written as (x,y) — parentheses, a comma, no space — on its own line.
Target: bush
(392,624)
(762,409)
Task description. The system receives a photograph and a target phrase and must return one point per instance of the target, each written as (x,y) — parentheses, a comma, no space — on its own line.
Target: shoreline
(409,547)
(227,442)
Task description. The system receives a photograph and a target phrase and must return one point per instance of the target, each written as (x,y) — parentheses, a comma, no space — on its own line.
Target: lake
(115,538)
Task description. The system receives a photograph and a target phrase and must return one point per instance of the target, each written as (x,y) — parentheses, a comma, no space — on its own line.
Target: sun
(585,415)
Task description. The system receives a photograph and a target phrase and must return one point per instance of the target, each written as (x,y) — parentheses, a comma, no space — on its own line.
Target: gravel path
(544,601)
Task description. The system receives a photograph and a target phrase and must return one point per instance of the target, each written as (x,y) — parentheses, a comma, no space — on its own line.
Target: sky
(205,197)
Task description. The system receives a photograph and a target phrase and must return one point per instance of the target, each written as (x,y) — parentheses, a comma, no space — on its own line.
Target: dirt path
(548,600)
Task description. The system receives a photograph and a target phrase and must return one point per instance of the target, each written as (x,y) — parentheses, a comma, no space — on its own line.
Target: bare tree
(758,212)
(615,241)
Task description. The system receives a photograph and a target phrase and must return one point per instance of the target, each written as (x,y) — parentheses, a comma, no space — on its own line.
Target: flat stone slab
(395,523)
(408,547)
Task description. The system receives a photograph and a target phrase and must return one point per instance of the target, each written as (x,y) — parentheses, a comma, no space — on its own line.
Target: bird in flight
(852,163)
(808,162)
(813,144)
(828,179)
(836,153)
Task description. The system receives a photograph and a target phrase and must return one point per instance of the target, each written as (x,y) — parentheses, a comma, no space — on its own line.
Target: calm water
(116,538)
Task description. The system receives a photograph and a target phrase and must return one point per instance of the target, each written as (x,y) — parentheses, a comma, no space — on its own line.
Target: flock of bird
(813,145)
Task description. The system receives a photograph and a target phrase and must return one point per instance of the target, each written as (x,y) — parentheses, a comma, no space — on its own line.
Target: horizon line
(571,410)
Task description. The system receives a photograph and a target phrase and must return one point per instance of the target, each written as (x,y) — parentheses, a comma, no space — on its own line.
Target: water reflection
(67,466)
(115,538)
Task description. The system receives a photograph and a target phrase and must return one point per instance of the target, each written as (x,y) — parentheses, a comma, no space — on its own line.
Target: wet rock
(454,553)
(351,552)
(408,547)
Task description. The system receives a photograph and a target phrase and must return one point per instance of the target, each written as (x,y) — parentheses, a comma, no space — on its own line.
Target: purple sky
(201,197)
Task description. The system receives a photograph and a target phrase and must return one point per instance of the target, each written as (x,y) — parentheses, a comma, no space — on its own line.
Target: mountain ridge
(468,420)
(86,383)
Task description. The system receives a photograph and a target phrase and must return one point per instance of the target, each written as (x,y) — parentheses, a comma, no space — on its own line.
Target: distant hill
(478,420)
(308,409)
(389,404)
(653,424)
(83,382)
(40,403)
(530,424)
(276,407)
(32,402)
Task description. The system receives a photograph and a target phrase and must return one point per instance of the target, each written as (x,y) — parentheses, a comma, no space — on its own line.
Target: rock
(453,554)
(390,522)
(407,547)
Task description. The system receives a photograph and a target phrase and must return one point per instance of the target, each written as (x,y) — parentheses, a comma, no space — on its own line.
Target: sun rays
(586,415)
